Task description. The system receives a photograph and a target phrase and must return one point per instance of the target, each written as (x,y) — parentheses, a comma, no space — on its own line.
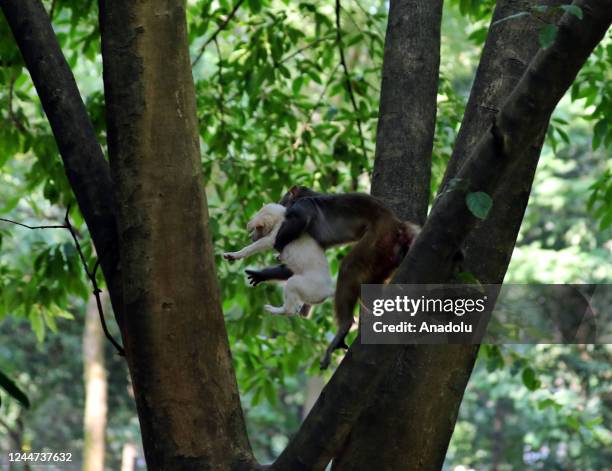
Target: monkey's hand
(231,256)
(255,277)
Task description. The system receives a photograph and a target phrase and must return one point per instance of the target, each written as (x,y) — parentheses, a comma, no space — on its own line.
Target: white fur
(311,282)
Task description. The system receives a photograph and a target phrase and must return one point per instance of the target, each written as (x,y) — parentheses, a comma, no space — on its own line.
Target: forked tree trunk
(95,389)
(173,327)
(389,417)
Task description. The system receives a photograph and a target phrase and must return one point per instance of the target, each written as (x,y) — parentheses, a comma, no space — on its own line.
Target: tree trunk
(389,417)
(407,115)
(176,343)
(174,334)
(95,389)
(438,374)
(501,152)
(510,46)
(401,177)
(128,457)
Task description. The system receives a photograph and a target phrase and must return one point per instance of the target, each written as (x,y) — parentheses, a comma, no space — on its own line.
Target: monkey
(382,241)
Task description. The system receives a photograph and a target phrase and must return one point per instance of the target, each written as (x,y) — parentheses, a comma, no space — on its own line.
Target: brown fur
(372,260)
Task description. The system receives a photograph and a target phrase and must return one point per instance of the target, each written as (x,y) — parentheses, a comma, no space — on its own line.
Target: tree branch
(430,259)
(347,77)
(310,45)
(91,274)
(84,163)
(220,28)
(31,227)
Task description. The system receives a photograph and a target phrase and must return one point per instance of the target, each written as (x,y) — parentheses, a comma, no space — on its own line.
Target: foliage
(536,407)
(51,373)
(275,109)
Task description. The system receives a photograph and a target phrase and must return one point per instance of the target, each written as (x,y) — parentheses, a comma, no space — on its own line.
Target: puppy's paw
(231,256)
(273,309)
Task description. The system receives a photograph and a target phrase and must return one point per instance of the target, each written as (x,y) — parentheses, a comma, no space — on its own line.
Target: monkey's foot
(336,343)
(324,363)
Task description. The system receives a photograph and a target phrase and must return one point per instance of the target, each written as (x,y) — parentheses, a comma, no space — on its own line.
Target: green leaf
(593,422)
(13,390)
(255,6)
(530,380)
(573,422)
(548,402)
(573,10)
(547,35)
(599,132)
(478,36)
(479,204)
(38,325)
(467,278)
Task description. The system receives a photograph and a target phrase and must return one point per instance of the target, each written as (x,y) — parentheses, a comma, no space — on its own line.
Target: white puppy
(311,282)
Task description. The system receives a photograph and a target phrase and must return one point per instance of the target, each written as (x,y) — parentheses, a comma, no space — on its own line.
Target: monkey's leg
(347,294)
(337,342)
(279,272)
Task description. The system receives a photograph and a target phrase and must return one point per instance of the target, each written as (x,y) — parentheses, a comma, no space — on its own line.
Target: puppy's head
(264,221)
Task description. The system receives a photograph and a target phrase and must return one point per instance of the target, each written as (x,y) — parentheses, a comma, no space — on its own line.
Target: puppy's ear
(294,191)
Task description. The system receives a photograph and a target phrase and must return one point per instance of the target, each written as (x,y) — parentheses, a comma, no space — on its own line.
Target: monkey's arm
(279,272)
(295,223)
(265,243)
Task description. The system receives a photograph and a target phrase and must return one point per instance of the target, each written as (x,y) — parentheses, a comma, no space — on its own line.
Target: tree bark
(401,178)
(87,171)
(500,151)
(95,390)
(510,46)
(387,430)
(176,342)
(411,62)
(175,337)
